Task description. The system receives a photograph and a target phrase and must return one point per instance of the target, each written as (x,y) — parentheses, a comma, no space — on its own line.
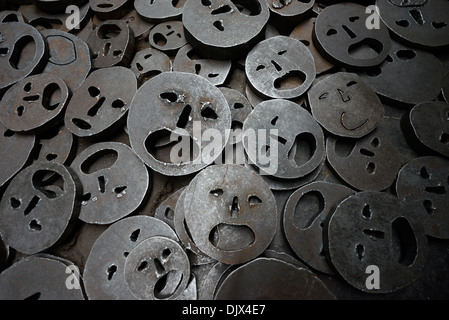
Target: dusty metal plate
(377,229)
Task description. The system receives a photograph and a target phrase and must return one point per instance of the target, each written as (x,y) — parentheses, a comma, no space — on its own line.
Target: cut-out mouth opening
(303,149)
(108,31)
(228,237)
(248,7)
(366,49)
(50,183)
(99,160)
(168,284)
(291,80)
(405,247)
(24,48)
(307,209)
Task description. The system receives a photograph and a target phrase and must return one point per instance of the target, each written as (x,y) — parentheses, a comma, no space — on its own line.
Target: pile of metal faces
(224,149)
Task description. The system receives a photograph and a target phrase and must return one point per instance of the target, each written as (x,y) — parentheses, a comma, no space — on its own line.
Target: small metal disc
(157,269)
(168,37)
(158,11)
(104,277)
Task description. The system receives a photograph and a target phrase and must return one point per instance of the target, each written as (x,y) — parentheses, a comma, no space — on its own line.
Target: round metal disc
(231,213)
(377,229)
(37,211)
(104,269)
(183,106)
(157,269)
(280,67)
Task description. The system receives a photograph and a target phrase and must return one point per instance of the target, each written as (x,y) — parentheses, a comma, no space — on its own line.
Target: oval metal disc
(34,103)
(426,127)
(300,140)
(303,221)
(157,269)
(104,276)
(422,23)
(231,215)
(158,11)
(168,37)
(345,105)
(424,184)
(148,63)
(377,229)
(370,163)
(115,182)
(37,211)
(183,106)
(37,278)
(225,21)
(101,102)
(272,279)
(342,37)
(55,145)
(280,67)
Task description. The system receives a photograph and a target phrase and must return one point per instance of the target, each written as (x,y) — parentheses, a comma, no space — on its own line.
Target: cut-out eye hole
(221,10)
(118,104)
(238,105)
(111,271)
(27,87)
(428,206)
(370,168)
(206,3)
(331,32)
(406,54)
(35,225)
(323,96)
(282,52)
(217,192)
(366,212)
(351,83)
(93,91)
(142,266)
(135,235)
(165,253)
(15,203)
(360,251)
(424,173)
(169,96)
(375,143)
(219,25)
(275,120)
(353,19)
(254,200)
(209,113)
(402,23)
(169,213)
(260,67)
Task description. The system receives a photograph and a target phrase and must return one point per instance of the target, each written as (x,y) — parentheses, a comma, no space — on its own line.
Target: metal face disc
(188,60)
(110,9)
(280,67)
(115,182)
(158,11)
(300,140)
(38,278)
(148,63)
(341,36)
(101,102)
(54,145)
(168,37)
(370,163)
(272,279)
(104,276)
(112,44)
(16,149)
(231,214)
(422,136)
(37,211)
(345,105)
(377,229)
(233,27)
(183,106)
(157,269)
(34,103)
(69,58)
(422,23)
(303,32)
(408,76)
(304,215)
(24,52)
(423,183)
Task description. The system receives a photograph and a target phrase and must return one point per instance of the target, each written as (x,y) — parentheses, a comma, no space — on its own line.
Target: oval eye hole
(351,83)
(217,192)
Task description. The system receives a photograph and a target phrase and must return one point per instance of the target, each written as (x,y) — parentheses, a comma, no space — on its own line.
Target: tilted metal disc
(231,215)
(304,215)
(223,29)
(423,23)
(299,139)
(341,36)
(169,115)
(370,163)
(35,103)
(345,105)
(168,37)
(426,127)
(115,182)
(280,68)
(423,183)
(158,11)
(39,278)
(157,269)
(104,276)
(377,229)
(36,211)
(272,279)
